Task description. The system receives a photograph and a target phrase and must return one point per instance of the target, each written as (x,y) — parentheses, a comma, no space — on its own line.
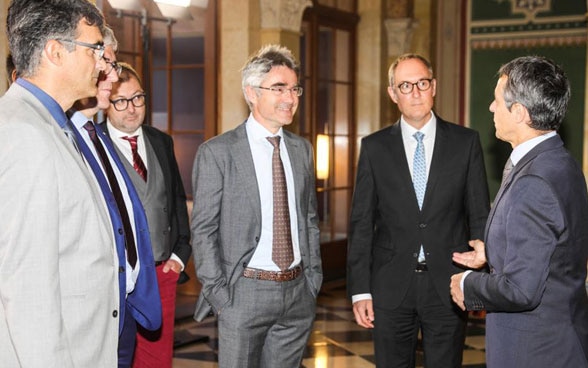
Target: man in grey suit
(536,235)
(58,269)
(264,298)
(149,159)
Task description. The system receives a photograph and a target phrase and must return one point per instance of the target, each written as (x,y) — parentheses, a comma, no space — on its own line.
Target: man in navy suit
(402,236)
(537,233)
(139,293)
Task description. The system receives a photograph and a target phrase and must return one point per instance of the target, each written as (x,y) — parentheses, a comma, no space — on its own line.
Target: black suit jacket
(163,146)
(387,228)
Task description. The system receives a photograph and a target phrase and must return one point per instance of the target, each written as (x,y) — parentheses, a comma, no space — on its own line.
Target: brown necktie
(282,252)
(117,193)
(137,161)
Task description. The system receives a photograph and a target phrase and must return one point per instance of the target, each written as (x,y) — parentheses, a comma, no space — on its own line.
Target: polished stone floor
(336,340)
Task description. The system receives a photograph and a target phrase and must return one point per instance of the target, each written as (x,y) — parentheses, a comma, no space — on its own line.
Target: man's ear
(251,94)
(392,94)
(54,51)
(520,112)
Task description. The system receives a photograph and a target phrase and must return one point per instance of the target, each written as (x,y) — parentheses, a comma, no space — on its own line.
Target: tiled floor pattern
(336,340)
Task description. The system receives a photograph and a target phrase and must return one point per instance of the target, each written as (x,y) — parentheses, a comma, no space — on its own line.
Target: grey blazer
(58,269)
(226,217)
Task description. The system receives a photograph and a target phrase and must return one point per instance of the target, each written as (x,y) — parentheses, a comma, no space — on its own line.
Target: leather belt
(421,267)
(279,276)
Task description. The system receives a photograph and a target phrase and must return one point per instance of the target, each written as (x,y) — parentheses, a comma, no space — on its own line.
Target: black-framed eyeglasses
(97,49)
(121,104)
(112,65)
(422,84)
(281,90)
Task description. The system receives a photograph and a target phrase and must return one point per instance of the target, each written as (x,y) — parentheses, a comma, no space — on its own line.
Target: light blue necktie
(419,169)
(419,177)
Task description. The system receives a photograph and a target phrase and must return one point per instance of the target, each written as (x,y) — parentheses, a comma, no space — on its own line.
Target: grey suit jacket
(537,249)
(226,217)
(58,269)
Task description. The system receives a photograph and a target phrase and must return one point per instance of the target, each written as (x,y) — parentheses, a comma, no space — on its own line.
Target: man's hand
(172,265)
(456,292)
(473,259)
(364,313)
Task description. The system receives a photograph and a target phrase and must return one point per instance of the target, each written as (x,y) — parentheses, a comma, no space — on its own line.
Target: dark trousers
(442,329)
(126,341)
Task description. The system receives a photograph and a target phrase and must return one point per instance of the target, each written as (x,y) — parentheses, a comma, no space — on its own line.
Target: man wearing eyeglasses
(420,194)
(149,159)
(137,279)
(255,232)
(59,300)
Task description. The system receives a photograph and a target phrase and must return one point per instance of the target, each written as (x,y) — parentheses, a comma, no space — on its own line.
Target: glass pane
(342,56)
(342,102)
(324,113)
(325,53)
(159,49)
(188,50)
(341,161)
(185,146)
(188,99)
(158,100)
(340,213)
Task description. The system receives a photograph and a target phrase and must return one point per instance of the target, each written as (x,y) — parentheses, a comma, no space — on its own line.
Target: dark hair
(31,23)
(541,86)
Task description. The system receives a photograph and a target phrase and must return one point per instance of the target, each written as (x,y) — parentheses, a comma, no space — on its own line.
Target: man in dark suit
(402,235)
(139,294)
(149,159)
(536,236)
(263,290)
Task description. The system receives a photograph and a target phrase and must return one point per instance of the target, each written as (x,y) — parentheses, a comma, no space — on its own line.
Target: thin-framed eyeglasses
(97,49)
(422,84)
(121,104)
(112,65)
(281,90)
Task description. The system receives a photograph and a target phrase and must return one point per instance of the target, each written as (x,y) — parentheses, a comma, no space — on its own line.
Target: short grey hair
(258,65)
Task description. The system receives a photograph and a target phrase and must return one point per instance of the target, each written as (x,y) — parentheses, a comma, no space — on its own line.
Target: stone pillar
(371,96)
(280,22)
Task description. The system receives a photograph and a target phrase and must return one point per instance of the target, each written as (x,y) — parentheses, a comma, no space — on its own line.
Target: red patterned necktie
(137,161)
(282,252)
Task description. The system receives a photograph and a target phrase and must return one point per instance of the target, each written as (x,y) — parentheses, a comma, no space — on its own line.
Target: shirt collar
(49,102)
(522,149)
(429,129)
(116,133)
(258,132)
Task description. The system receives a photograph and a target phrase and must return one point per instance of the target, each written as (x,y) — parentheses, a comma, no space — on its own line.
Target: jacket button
(257,239)
(422,225)
(121,269)
(115,313)
(120,231)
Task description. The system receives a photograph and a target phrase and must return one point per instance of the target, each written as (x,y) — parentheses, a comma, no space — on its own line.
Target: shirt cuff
(463,279)
(177,259)
(358,297)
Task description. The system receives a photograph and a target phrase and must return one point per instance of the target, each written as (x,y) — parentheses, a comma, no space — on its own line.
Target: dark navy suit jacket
(144,302)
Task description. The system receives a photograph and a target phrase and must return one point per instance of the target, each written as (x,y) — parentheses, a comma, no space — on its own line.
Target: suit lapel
(397,154)
(241,154)
(437,161)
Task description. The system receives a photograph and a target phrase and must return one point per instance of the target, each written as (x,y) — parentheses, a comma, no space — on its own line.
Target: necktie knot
(507,169)
(275,141)
(138,163)
(419,136)
(89,126)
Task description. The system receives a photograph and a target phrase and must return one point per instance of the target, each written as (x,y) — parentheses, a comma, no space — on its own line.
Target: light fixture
(184,3)
(322,156)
